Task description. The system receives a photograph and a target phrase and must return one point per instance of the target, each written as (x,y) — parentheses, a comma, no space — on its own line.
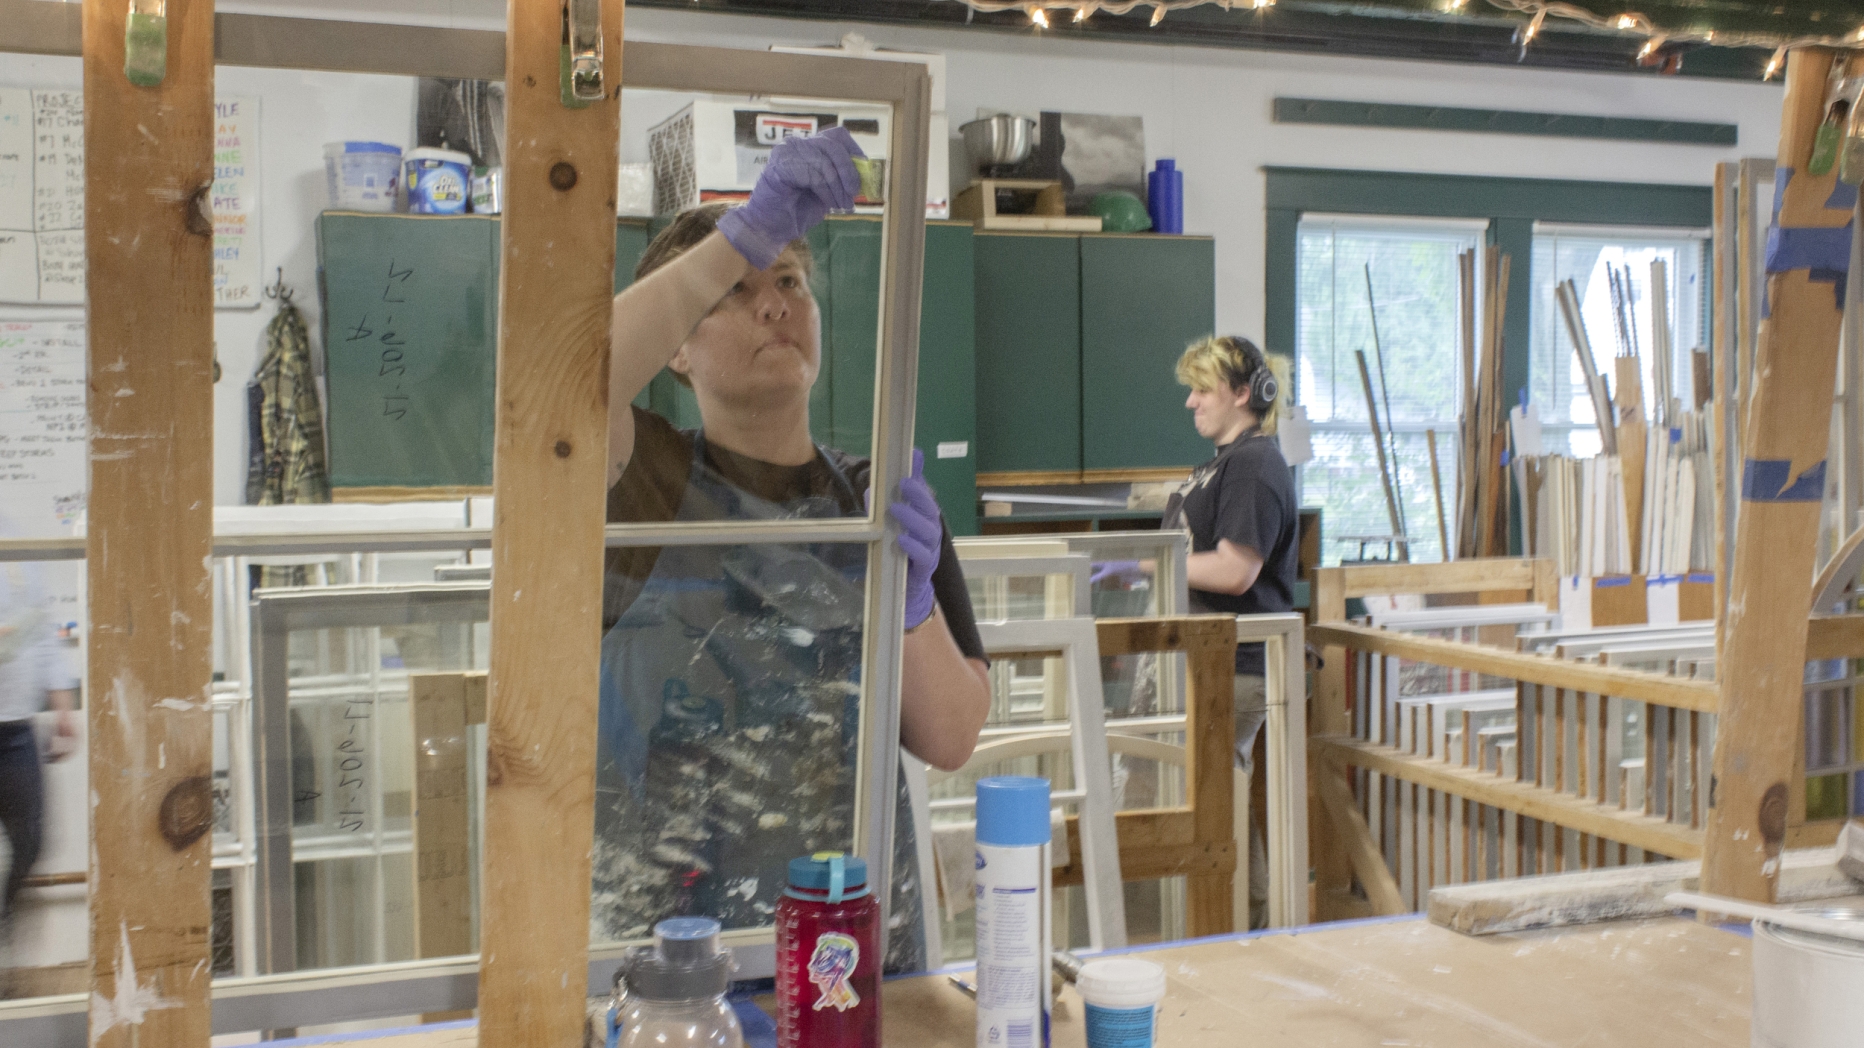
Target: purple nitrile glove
(1127,571)
(807,177)
(921,533)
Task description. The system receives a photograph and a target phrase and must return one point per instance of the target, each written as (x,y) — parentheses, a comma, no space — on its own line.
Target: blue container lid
(841,876)
(370,147)
(1012,811)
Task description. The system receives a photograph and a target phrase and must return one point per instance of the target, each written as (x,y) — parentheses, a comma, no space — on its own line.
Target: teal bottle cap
(1012,811)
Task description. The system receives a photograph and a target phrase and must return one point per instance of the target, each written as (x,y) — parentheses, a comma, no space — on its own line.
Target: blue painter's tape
(1699,576)
(1818,248)
(1609,581)
(1844,197)
(1825,252)
(1768,480)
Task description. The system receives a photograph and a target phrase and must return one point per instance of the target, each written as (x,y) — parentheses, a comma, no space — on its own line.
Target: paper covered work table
(1391,982)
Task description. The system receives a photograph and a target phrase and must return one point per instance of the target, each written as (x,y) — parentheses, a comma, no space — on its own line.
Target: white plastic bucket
(1808,988)
(439,181)
(362,176)
(1122,995)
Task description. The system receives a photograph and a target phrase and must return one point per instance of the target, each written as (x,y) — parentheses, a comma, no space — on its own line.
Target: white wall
(1208,107)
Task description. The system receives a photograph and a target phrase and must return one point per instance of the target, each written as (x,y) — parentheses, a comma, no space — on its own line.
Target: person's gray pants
(1251,712)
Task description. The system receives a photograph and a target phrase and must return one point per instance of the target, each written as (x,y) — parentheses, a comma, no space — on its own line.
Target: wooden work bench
(1389,981)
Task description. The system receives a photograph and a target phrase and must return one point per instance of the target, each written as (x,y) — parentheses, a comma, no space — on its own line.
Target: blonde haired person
(1242,515)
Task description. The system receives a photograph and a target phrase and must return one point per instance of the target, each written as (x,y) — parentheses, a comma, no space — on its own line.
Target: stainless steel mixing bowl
(999,141)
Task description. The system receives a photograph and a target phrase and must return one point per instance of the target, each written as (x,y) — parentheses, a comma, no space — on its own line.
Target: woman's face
(761,346)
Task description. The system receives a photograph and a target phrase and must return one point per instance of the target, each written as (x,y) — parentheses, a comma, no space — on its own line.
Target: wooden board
(1617,681)
(1618,893)
(1784,451)
(1588,816)
(556,283)
(149,255)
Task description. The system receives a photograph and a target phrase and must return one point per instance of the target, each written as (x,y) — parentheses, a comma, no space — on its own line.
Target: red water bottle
(828,956)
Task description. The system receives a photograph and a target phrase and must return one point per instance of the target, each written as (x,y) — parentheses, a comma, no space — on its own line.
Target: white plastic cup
(362,176)
(1122,995)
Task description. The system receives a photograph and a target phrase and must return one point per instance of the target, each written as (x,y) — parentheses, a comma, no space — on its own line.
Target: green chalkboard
(410,347)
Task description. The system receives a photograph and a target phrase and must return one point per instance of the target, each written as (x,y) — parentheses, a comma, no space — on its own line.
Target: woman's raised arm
(806,178)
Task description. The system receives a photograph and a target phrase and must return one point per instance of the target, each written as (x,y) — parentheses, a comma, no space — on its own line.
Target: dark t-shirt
(651,488)
(1244,494)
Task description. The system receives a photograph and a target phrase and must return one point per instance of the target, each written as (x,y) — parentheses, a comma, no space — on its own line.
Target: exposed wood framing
(149,252)
(1784,446)
(1587,815)
(443,706)
(1617,681)
(556,283)
(1156,844)
(1368,863)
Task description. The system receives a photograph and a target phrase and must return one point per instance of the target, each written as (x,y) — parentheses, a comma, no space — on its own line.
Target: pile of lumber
(1481,493)
(1645,504)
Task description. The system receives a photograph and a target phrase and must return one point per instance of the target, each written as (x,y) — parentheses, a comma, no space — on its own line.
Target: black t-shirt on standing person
(1244,494)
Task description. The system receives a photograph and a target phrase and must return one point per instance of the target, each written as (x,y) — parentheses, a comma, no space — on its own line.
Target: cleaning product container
(828,955)
(1808,988)
(672,994)
(439,181)
(362,176)
(1013,914)
(1122,995)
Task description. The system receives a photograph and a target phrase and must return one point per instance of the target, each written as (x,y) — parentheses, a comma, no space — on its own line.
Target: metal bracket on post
(582,53)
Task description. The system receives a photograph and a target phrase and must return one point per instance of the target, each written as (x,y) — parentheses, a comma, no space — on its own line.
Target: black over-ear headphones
(1261,381)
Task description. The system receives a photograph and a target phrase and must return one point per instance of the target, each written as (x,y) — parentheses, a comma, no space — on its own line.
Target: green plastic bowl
(1120,212)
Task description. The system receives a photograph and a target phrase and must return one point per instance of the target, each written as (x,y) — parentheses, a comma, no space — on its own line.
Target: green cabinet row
(1037,352)
(1077,342)
(410,336)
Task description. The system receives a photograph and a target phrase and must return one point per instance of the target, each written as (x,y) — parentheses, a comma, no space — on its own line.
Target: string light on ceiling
(1656,38)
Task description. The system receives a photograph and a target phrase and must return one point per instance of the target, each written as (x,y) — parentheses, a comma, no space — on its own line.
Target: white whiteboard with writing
(42,199)
(42,425)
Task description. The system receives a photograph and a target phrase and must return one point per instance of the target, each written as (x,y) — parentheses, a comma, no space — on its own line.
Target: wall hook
(279,290)
(580,64)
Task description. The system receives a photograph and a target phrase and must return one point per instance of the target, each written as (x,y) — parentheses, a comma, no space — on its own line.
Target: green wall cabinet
(842,408)
(1077,339)
(1028,301)
(452,307)
(1143,300)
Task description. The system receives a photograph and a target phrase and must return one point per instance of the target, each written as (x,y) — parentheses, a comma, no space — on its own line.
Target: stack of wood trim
(1481,508)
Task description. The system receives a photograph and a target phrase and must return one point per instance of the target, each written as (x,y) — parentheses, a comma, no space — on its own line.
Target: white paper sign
(42,425)
(42,199)
(238,279)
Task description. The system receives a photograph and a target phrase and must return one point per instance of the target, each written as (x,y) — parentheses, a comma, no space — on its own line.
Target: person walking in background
(1243,517)
(34,675)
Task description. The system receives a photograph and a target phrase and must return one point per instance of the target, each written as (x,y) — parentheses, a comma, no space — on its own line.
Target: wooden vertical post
(1209,768)
(442,706)
(1326,840)
(149,277)
(1722,346)
(1776,537)
(556,285)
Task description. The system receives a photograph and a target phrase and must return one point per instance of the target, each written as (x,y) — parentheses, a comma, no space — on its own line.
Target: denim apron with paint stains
(730,723)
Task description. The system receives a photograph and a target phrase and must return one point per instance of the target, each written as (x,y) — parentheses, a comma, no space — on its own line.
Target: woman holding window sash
(730,674)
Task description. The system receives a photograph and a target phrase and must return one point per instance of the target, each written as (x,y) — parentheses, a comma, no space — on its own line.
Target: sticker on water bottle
(831,968)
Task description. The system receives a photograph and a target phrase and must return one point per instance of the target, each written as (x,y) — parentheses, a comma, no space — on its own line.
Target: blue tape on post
(1844,197)
(1770,480)
(1825,252)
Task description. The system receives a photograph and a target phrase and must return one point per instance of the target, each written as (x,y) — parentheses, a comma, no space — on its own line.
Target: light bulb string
(1630,23)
